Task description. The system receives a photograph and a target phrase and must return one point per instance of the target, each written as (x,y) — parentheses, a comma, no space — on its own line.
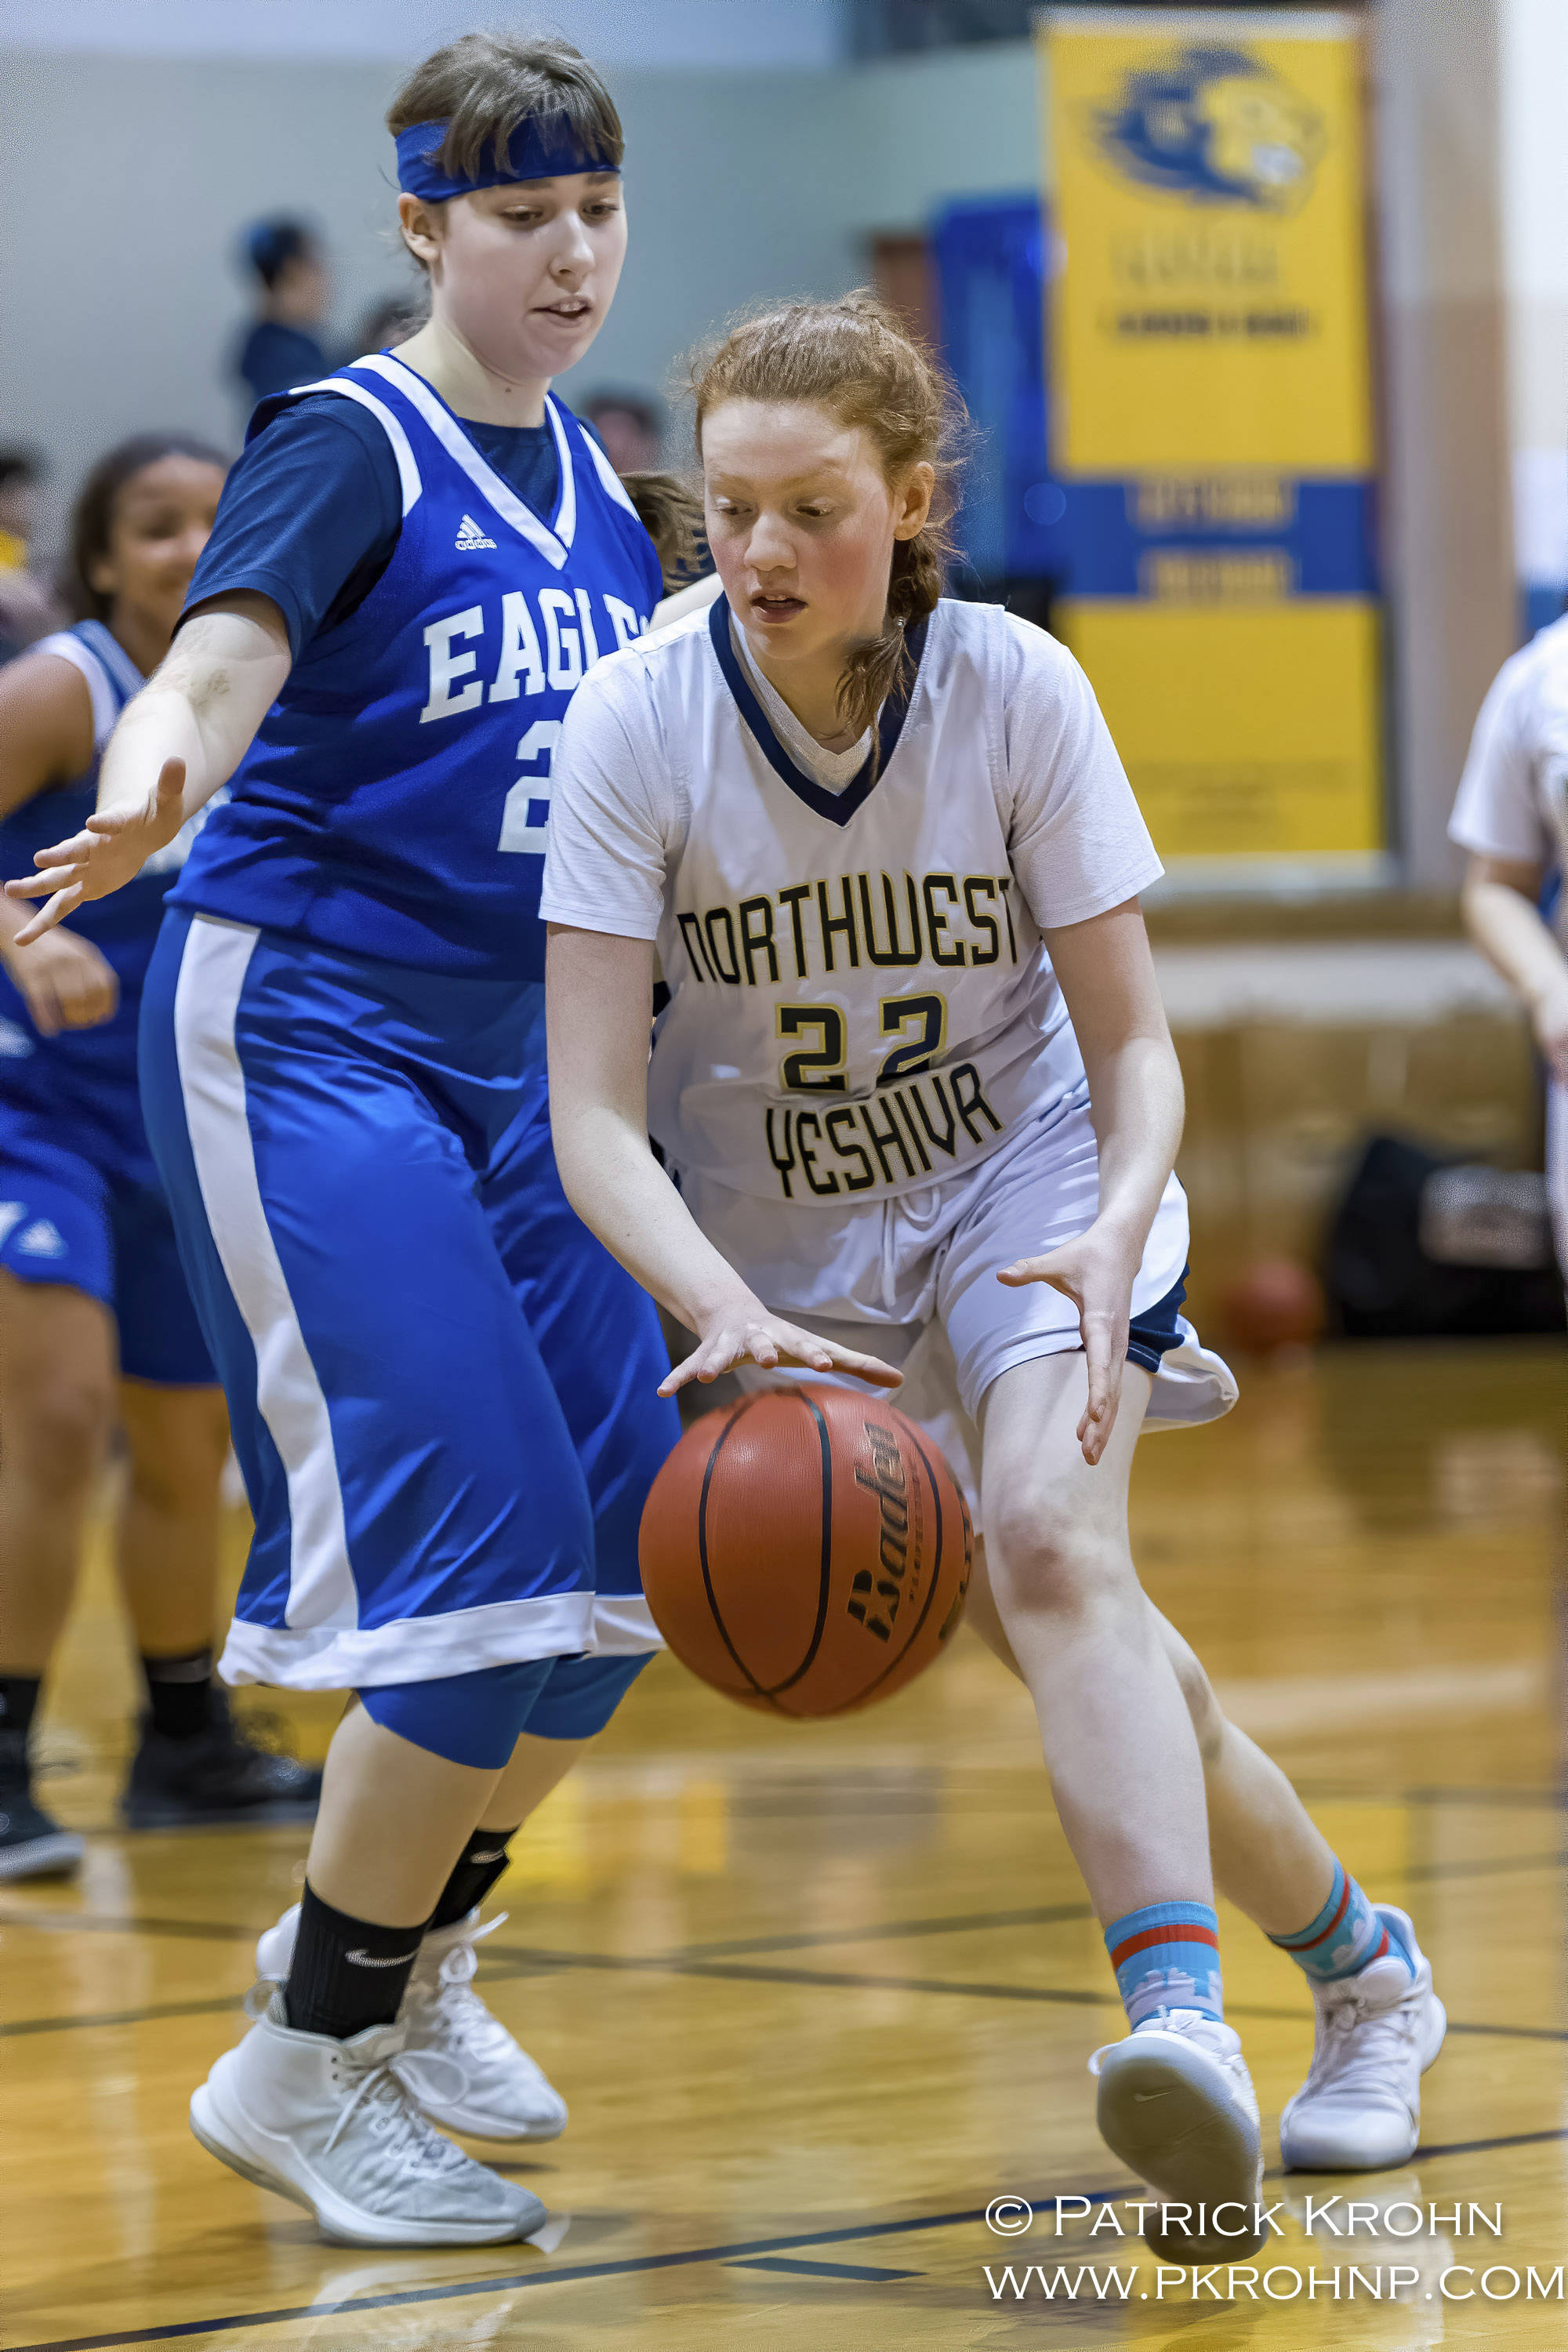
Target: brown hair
(484,85)
(853,358)
(671,514)
(92,516)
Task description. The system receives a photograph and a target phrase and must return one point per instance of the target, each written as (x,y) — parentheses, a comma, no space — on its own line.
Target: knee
(1053,1566)
(56,1437)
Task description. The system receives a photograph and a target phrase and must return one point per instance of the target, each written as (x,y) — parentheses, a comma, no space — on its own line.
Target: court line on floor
(631,2265)
(751,1972)
(911,2225)
(542,1960)
(543,1957)
(211,1931)
(155,2013)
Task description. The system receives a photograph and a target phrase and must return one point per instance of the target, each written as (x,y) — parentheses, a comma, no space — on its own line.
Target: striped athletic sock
(1346,1935)
(1167,1956)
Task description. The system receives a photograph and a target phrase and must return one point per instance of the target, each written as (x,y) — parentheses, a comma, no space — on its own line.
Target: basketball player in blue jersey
(440,1383)
(915,1076)
(96,1323)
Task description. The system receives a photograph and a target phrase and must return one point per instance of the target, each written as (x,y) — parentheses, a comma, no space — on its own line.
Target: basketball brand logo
(875,1602)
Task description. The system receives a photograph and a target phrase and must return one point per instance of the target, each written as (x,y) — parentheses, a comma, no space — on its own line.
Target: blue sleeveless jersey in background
(393,802)
(80,1202)
(95,1068)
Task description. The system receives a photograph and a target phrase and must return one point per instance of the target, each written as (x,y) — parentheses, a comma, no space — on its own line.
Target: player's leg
(1380,2025)
(56,1408)
(194,1762)
(1174,2102)
(1557,1167)
(417,1504)
(599,1340)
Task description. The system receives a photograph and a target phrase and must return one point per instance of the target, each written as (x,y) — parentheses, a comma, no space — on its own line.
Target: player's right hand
(64,981)
(110,850)
(744,1332)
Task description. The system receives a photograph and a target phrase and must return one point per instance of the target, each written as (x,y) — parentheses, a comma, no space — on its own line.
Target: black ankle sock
(18,1697)
(474,1872)
(346,1974)
(180,1693)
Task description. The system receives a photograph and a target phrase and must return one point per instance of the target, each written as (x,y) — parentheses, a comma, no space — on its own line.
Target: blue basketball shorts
(441,1387)
(81,1206)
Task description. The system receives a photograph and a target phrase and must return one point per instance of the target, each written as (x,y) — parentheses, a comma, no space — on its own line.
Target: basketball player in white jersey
(916,1084)
(1511,814)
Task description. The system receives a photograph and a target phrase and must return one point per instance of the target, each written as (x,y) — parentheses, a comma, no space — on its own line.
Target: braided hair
(853,358)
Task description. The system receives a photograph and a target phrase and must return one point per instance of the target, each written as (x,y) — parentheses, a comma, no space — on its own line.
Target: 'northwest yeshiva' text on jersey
(861,1003)
(394,801)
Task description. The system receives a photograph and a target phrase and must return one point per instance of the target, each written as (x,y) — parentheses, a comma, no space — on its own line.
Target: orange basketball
(1274,1304)
(806,1551)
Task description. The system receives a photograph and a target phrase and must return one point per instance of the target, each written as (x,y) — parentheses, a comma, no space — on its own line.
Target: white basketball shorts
(913,1279)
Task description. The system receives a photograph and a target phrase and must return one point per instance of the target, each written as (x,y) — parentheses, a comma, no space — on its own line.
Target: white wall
(131,177)
(1533,94)
(701,33)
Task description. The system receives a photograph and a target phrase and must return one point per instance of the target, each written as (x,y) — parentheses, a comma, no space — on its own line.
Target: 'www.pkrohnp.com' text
(1279,2283)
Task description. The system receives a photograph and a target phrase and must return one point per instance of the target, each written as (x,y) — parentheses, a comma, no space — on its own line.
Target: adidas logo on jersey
(470,536)
(42,1239)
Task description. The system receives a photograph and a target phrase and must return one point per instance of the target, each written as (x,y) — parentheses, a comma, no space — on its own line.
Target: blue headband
(536,150)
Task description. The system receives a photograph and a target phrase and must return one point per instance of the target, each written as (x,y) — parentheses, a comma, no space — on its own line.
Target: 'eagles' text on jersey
(394,801)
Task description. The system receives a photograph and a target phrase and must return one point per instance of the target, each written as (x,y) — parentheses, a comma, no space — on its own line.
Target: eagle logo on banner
(1217,126)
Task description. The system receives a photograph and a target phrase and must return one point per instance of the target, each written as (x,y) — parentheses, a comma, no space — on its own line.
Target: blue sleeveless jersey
(394,801)
(81,1062)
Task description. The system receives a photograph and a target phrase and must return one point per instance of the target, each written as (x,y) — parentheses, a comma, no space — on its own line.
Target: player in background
(1512,816)
(97,1329)
(442,1387)
(916,1084)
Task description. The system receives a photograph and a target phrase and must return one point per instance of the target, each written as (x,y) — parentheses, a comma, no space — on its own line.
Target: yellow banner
(1211,417)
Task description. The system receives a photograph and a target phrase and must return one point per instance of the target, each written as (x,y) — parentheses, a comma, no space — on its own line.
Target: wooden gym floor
(816,1998)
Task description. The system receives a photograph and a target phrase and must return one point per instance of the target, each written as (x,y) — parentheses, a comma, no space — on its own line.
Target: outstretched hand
(110,850)
(1096,1271)
(745,1333)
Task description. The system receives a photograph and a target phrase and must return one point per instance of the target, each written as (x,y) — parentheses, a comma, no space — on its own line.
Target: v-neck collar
(837,807)
(552,540)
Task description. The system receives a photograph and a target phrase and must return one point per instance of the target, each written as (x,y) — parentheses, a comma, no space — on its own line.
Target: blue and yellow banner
(1212,419)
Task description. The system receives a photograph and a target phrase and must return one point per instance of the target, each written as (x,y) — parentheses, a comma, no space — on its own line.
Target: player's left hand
(1096,1271)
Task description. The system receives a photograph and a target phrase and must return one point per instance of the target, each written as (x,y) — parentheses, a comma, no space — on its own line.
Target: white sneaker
(330,2125)
(1176,2105)
(460,2063)
(1360,2106)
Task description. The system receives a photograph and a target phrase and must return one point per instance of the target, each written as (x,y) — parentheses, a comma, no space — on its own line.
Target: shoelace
(1168,2024)
(448,1991)
(394,2119)
(1357,2052)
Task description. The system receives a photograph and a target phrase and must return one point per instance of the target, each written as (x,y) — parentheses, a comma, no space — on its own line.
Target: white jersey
(1513,796)
(860,1001)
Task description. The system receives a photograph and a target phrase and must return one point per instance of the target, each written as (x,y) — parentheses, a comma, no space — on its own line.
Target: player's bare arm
(179,740)
(1107,976)
(1501,905)
(599,991)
